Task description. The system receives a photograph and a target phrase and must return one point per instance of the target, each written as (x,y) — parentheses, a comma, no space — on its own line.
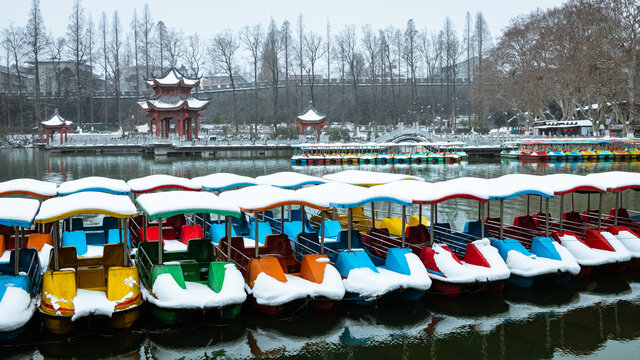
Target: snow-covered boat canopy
(161,181)
(260,198)
(223,181)
(568,183)
(615,181)
(289,180)
(512,185)
(170,203)
(89,202)
(18,212)
(94,183)
(420,192)
(368,178)
(346,196)
(32,187)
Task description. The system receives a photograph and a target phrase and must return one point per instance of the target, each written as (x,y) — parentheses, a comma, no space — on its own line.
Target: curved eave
(299,185)
(86,211)
(449,197)
(168,214)
(12,223)
(368,201)
(283,203)
(23,192)
(182,106)
(165,187)
(98,189)
(524,192)
(580,189)
(227,187)
(623,188)
(312,121)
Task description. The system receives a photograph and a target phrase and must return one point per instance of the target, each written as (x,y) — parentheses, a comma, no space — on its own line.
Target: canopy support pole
(56,240)
(282,219)
(615,209)
(488,208)
(481,220)
(588,201)
(540,205)
(257,237)
(561,210)
(321,232)
(433,212)
(420,214)
(404,223)
(546,216)
(227,235)
(373,215)
(144,228)
(123,237)
(349,228)
(160,244)
(204,224)
(573,205)
(599,212)
(389,210)
(302,219)
(528,204)
(16,238)
(501,217)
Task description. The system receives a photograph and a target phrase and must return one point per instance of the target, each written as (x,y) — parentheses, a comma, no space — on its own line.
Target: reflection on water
(585,319)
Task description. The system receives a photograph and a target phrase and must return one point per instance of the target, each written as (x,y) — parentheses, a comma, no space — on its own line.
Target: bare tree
(252,38)
(116,44)
(105,69)
(14,42)
(482,37)
(135,29)
(56,49)
(91,82)
(355,64)
(194,55)
(328,53)
(271,54)
(161,29)
(410,50)
(76,43)
(300,56)
(222,52)
(468,45)
(370,46)
(314,51)
(174,45)
(285,34)
(146,32)
(36,37)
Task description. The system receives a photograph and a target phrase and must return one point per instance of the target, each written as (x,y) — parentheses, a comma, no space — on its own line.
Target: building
(563,128)
(9,80)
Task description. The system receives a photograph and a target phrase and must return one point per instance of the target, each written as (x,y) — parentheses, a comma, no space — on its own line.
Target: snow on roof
(176,102)
(223,181)
(173,77)
(94,183)
(311,114)
(89,202)
(368,178)
(264,197)
(56,120)
(432,193)
(348,196)
(289,180)
(512,185)
(169,203)
(616,180)
(33,187)
(18,212)
(161,181)
(143,105)
(194,103)
(568,183)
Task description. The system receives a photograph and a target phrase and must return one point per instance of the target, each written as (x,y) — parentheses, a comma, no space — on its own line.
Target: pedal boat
(78,287)
(190,281)
(20,276)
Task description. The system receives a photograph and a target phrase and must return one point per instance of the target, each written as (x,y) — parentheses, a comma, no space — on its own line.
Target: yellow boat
(621,155)
(634,154)
(588,155)
(95,280)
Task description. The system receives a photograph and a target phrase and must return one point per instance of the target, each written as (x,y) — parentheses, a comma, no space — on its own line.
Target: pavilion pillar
(181,127)
(318,128)
(46,134)
(167,128)
(65,136)
(60,137)
(189,128)
(150,129)
(157,127)
(196,129)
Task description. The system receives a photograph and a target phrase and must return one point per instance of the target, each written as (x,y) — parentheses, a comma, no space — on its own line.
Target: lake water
(594,319)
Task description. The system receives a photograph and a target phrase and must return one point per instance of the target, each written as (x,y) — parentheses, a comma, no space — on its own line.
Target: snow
(18,212)
(169,203)
(455,272)
(369,284)
(586,256)
(512,185)
(94,183)
(6,256)
(168,294)
(250,243)
(311,115)
(93,251)
(271,292)
(289,180)
(432,193)
(88,302)
(346,196)
(568,183)
(367,178)
(194,103)
(158,181)
(223,181)
(33,187)
(532,265)
(89,202)
(630,241)
(56,120)
(616,180)
(16,308)
(174,245)
(264,197)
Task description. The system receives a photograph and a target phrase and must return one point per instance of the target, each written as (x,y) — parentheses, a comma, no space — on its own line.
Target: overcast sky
(213,16)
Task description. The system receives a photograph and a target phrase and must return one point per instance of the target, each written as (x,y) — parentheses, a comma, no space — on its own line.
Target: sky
(210,17)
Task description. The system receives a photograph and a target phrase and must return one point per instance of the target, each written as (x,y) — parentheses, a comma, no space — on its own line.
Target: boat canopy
(512,185)
(89,202)
(289,180)
(346,196)
(420,192)
(161,181)
(615,181)
(568,183)
(367,178)
(18,212)
(170,203)
(223,181)
(32,187)
(94,183)
(260,198)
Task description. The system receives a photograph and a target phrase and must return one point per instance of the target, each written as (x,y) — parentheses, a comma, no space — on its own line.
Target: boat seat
(292,229)
(506,245)
(176,222)
(37,241)
(280,246)
(113,237)
(188,232)
(379,241)
(2,246)
(109,222)
(113,255)
(77,223)
(241,224)
(332,228)
(75,239)
(153,231)
(218,231)
(474,228)
(264,229)
(590,216)
(525,221)
(417,234)
(442,231)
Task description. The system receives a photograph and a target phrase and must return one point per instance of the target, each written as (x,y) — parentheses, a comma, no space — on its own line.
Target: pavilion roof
(172,77)
(174,103)
(311,114)
(56,120)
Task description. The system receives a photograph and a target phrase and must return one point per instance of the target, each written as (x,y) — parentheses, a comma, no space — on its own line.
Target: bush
(338,134)
(288,132)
